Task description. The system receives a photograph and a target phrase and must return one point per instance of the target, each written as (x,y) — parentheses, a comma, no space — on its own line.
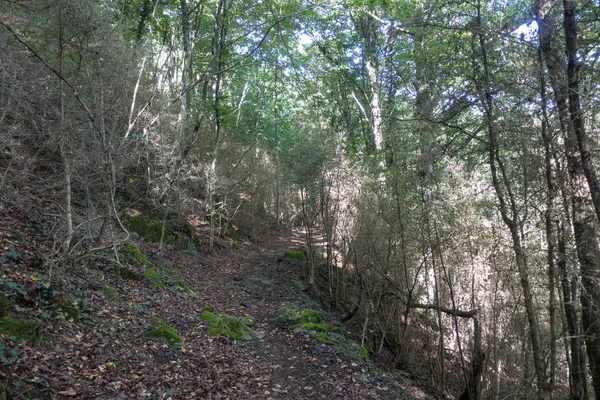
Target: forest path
(285,364)
(103,353)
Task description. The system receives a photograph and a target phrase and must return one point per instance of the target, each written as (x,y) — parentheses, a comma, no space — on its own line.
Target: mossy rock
(161,330)
(153,276)
(249,321)
(4,306)
(112,293)
(310,316)
(21,330)
(317,327)
(324,338)
(126,273)
(230,327)
(134,254)
(295,255)
(180,285)
(287,316)
(354,349)
(150,226)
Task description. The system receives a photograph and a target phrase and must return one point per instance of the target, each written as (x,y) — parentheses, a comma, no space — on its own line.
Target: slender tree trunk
(64,138)
(507,202)
(549,215)
(575,109)
(588,251)
(553,61)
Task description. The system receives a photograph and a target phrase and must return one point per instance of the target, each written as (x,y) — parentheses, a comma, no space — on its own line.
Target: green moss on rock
(21,330)
(310,316)
(295,255)
(153,276)
(126,273)
(4,306)
(318,327)
(324,338)
(112,293)
(161,330)
(136,255)
(229,326)
(249,321)
(150,226)
(287,316)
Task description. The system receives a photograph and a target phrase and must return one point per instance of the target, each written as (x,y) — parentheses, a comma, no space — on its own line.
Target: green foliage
(8,355)
(76,310)
(161,330)
(11,255)
(230,326)
(21,330)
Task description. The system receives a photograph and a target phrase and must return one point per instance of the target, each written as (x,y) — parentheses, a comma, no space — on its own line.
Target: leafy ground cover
(135,339)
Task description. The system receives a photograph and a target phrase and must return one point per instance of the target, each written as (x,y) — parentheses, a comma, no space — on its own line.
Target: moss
(181,284)
(153,276)
(126,273)
(208,308)
(249,321)
(322,337)
(228,326)
(287,316)
(318,327)
(150,226)
(295,255)
(2,391)
(21,330)
(4,306)
(161,330)
(135,254)
(309,316)
(112,293)
(364,353)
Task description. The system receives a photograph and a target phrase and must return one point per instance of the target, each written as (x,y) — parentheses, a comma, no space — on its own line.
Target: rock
(230,327)
(160,329)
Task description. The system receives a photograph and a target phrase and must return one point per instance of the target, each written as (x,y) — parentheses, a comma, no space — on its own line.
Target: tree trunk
(587,245)
(508,205)
(553,60)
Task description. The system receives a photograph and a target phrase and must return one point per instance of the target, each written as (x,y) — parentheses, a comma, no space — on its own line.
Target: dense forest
(439,155)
